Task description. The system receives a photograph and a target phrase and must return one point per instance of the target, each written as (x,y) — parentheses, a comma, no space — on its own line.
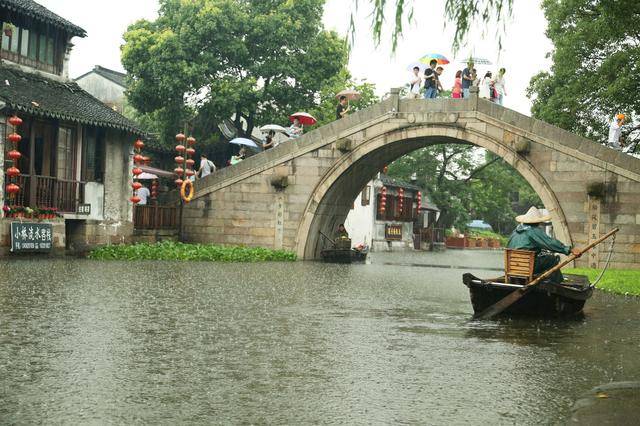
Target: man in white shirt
(415,84)
(614,131)
(143,193)
(206,167)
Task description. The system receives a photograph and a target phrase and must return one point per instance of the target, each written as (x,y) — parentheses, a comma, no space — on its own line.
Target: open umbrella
(442,60)
(305,118)
(244,141)
(420,65)
(146,176)
(476,61)
(352,95)
(274,127)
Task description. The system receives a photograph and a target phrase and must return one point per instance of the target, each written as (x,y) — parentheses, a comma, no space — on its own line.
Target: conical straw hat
(533,216)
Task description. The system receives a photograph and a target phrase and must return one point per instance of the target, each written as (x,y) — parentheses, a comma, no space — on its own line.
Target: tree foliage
(212,59)
(462,13)
(596,66)
(466,185)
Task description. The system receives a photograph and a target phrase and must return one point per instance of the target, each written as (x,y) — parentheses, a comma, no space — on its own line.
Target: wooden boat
(343,255)
(548,299)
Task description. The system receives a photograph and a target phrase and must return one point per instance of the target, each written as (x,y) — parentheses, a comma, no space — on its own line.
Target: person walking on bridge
(343,108)
(615,129)
(206,167)
(431,81)
(530,236)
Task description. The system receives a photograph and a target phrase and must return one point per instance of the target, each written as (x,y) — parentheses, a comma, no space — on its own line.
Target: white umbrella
(352,95)
(420,65)
(476,61)
(275,128)
(244,141)
(146,176)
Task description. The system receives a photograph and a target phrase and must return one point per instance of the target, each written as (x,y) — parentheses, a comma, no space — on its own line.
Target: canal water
(292,343)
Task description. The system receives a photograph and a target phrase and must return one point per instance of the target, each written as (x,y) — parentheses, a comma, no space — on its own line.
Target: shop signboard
(31,237)
(393,232)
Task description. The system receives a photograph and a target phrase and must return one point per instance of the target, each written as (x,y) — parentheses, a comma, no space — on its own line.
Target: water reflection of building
(387,212)
(76,151)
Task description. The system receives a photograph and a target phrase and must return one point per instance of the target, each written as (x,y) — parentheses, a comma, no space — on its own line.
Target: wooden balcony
(47,191)
(151,217)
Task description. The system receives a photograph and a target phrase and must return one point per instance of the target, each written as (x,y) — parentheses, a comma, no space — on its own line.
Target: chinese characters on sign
(31,237)
(84,209)
(393,232)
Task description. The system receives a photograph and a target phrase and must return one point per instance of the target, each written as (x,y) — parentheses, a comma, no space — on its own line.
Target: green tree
(465,186)
(203,61)
(596,67)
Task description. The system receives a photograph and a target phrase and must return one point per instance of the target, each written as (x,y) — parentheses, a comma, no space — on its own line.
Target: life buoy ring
(183,190)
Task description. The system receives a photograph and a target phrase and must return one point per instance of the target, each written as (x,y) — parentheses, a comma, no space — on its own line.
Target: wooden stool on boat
(518,266)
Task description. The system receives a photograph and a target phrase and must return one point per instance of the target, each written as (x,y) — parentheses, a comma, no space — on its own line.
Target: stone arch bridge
(282,198)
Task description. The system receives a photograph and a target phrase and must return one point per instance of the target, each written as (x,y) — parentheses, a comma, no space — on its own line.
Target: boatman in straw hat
(530,236)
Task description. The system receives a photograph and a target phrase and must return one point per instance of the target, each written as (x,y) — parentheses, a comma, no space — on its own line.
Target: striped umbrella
(442,60)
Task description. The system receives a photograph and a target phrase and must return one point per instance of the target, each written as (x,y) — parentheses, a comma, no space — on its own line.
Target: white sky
(523,54)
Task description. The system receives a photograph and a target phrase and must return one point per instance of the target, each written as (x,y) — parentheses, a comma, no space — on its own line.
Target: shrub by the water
(620,281)
(169,250)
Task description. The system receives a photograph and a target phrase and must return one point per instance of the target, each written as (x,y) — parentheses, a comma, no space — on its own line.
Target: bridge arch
(333,196)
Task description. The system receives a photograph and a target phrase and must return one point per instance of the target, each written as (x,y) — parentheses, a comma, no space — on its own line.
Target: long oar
(516,295)
(328,239)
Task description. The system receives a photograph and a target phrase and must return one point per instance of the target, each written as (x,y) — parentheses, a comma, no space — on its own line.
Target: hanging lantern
(13,171)
(138,159)
(401,199)
(180,148)
(179,182)
(12,189)
(191,141)
(146,160)
(135,199)
(136,185)
(14,155)
(15,121)
(136,171)
(180,137)
(383,199)
(138,145)
(179,159)
(190,162)
(190,172)
(179,171)
(190,151)
(419,201)
(14,138)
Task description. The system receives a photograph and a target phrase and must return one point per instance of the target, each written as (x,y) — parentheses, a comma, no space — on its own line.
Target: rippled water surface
(294,343)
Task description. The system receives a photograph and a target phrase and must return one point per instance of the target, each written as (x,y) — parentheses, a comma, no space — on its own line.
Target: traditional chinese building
(75,152)
(107,85)
(384,214)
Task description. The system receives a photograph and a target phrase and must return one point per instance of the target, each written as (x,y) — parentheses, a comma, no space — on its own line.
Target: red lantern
(135,199)
(383,199)
(191,140)
(419,200)
(180,148)
(136,171)
(136,185)
(401,199)
(179,182)
(146,160)
(138,144)
(190,162)
(12,188)
(179,159)
(14,155)
(14,138)
(190,173)
(178,170)
(138,159)
(15,121)
(191,151)
(180,137)
(13,172)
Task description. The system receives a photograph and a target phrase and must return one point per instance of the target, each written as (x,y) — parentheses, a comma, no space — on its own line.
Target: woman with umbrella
(269,142)
(300,119)
(296,129)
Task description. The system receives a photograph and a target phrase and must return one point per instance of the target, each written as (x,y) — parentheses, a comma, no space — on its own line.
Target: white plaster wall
(103,89)
(359,222)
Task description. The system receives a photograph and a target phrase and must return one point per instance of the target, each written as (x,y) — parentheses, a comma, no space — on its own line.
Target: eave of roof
(111,75)
(31,9)
(38,95)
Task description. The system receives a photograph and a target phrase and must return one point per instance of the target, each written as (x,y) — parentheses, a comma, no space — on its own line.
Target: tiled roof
(114,76)
(389,181)
(38,95)
(31,9)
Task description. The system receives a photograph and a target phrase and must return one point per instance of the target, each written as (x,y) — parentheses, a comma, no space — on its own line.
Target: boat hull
(343,256)
(545,300)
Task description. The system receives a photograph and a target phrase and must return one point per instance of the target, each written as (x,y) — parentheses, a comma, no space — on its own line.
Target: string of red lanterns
(184,160)
(419,204)
(382,207)
(138,159)
(401,199)
(14,155)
